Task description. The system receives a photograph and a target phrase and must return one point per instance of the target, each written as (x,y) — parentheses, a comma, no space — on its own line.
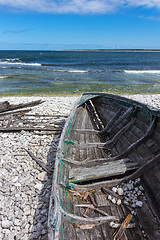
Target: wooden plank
(130,138)
(104,204)
(14,113)
(153,146)
(107,108)
(110,123)
(144,168)
(68,231)
(149,223)
(156,171)
(106,111)
(96,233)
(89,145)
(82,137)
(4,106)
(154,184)
(122,117)
(71,152)
(80,234)
(101,200)
(93,116)
(40,163)
(83,131)
(32,128)
(145,152)
(120,133)
(105,170)
(138,131)
(121,145)
(90,138)
(97,185)
(87,162)
(156,135)
(11,107)
(127,234)
(133,146)
(73,218)
(123,227)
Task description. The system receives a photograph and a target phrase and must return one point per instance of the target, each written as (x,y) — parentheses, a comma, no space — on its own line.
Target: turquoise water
(74,72)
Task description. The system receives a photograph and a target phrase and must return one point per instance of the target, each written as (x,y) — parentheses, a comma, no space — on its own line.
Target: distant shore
(110,50)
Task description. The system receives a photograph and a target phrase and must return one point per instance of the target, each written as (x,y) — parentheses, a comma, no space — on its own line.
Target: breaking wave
(142,71)
(1,77)
(18,63)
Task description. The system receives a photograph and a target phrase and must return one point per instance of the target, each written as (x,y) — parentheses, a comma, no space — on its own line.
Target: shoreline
(25,188)
(126,93)
(149,99)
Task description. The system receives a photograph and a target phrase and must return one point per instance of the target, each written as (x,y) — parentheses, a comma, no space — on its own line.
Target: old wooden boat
(106,183)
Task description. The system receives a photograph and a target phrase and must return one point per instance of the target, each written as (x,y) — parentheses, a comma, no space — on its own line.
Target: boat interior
(110,142)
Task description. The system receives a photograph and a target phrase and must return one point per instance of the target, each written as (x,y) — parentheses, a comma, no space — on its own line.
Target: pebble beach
(24,186)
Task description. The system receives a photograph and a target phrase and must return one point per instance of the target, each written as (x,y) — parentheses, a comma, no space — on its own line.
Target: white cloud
(77,6)
(144,3)
(16,31)
(150,18)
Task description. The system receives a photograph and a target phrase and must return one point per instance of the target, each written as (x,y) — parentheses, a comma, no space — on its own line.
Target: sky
(79,24)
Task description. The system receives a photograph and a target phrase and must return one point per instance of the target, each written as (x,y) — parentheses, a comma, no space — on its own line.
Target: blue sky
(79,24)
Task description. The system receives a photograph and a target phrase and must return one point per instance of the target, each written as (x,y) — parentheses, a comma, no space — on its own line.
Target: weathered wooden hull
(107,141)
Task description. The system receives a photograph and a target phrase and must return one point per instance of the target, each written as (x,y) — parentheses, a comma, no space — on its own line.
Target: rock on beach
(24,186)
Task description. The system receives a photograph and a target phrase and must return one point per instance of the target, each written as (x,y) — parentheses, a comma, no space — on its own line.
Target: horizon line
(96,49)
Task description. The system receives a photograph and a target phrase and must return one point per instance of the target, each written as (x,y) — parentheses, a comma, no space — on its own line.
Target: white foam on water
(19,63)
(69,71)
(1,77)
(142,71)
(77,71)
(12,59)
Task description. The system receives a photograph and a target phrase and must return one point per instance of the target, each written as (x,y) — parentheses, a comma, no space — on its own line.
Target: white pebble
(6,223)
(139,204)
(131,197)
(136,189)
(119,202)
(133,205)
(20,124)
(120,191)
(125,188)
(141,188)
(130,186)
(127,199)
(114,189)
(138,180)
(126,203)
(133,212)
(109,197)
(113,200)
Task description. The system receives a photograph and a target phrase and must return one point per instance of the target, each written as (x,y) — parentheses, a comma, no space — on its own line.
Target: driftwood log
(15,118)
(6,106)
(40,163)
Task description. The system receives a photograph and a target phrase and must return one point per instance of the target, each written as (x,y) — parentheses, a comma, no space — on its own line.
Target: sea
(74,72)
